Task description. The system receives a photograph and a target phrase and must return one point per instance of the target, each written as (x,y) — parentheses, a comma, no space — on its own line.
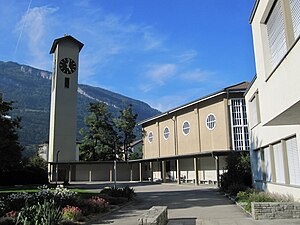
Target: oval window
(166,133)
(211,121)
(150,137)
(186,127)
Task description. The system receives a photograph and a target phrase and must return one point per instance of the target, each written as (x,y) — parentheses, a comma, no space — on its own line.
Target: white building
(273,99)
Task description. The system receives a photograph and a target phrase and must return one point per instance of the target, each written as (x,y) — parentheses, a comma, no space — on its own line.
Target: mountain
(30,89)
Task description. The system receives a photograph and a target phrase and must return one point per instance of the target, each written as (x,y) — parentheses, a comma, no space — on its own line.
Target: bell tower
(63,116)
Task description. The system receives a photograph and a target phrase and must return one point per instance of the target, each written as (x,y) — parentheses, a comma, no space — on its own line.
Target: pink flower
(11,214)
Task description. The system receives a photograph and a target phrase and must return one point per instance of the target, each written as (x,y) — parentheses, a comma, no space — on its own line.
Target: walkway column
(70,173)
(217,170)
(178,171)
(110,174)
(163,171)
(151,171)
(141,171)
(196,169)
(51,169)
(131,178)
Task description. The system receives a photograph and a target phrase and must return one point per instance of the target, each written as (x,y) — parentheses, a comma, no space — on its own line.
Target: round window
(211,121)
(166,133)
(186,127)
(150,137)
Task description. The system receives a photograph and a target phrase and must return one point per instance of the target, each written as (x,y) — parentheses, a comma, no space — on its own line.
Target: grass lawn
(4,191)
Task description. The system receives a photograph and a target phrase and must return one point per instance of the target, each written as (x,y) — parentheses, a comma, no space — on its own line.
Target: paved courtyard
(187,205)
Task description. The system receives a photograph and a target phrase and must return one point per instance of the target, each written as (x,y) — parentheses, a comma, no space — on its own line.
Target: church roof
(240,87)
(66,37)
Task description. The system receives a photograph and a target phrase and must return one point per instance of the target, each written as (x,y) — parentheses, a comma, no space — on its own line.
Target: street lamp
(56,168)
(115,167)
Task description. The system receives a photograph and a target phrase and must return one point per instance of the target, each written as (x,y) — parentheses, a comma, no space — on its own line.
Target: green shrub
(235,188)
(238,173)
(126,192)
(42,214)
(244,196)
(250,195)
(7,221)
(60,195)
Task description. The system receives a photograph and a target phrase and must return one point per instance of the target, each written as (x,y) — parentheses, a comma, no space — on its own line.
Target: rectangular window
(276,34)
(268,168)
(293,161)
(240,136)
(295,12)
(254,110)
(279,166)
(67,82)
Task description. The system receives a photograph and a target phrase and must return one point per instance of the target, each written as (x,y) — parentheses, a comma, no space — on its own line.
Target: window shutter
(268,167)
(293,161)
(295,11)
(258,165)
(276,34)
(279,167)
(253,112)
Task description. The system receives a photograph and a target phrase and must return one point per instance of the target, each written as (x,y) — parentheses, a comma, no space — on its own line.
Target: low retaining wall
(157,215)
(275,210)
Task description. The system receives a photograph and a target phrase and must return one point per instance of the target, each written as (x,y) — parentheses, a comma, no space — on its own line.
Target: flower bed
(58,205)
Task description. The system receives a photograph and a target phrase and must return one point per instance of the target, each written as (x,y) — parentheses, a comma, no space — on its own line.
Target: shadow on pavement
(185,221)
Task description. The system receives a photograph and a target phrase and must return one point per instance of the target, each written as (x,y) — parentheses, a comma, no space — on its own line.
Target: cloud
(111,38)
(33,27)
(197,75)
(152,41)
(167,102)
(159,73)
(187,56)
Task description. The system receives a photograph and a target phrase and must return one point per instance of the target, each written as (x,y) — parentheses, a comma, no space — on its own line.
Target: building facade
(273,99)
(190,143)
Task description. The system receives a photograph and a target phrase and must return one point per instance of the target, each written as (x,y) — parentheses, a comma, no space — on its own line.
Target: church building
(189,143)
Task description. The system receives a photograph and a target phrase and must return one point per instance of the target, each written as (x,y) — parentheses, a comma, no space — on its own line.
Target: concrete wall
(293,191)
(151,150)
(97,172)
(188,143)
(167,145)
(219,137)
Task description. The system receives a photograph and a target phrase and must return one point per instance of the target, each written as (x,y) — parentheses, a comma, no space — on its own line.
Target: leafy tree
(125,123)
(238,175)
(138,154)
(10,148)
(100,141)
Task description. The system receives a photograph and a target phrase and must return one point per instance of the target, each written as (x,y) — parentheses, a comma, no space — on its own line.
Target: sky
(163,52)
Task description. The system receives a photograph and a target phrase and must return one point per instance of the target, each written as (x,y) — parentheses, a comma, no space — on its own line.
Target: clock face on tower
(67,65)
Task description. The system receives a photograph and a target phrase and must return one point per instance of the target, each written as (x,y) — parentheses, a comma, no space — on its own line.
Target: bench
(156,215)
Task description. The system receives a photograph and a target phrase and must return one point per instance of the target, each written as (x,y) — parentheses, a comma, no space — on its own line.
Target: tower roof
(66,37)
